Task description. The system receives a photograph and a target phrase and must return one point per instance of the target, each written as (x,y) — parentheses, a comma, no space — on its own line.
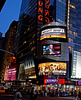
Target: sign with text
(50,81)
(53,33)
(43,11)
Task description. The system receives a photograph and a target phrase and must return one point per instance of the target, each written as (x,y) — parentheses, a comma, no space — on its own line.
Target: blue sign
(50,81)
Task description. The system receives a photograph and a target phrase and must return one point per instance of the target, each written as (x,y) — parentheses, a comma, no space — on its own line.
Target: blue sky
(9,12)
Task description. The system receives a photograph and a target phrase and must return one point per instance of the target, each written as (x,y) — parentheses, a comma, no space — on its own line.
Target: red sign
(47,11)
(61,81)
(41,11)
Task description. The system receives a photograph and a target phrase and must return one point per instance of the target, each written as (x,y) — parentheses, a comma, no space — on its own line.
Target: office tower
(33,15)
(8,47)
(74,37)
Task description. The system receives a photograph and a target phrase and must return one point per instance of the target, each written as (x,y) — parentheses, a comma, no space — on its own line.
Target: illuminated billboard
(51,68)
(76,64)
(53,33)
(10,72)
(50,81)
(52,49)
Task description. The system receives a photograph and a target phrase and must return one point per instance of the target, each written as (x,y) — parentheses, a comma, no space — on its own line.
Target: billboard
(51,68)
(52,49)
(53,33)
(50,81)
(10,72)
(76,64)
(29,66)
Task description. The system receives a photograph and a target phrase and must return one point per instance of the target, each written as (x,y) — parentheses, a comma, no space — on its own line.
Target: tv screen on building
(52,49)
(53,33)
(56,68)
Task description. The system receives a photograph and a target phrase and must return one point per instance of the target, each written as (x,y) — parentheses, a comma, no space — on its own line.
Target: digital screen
(52,68)
(10,72)
(53,33)
(50,81)
(52,49)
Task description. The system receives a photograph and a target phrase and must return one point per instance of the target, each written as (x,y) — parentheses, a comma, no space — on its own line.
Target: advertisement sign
(50,68)
(61,81)
(76,63)
(10,72)
(53,33)
(52,49)
(50,81)
(29,66)
(78,83)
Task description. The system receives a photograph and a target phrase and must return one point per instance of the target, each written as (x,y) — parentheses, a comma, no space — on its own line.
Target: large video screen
(52,68)
(52,49)
(53,33)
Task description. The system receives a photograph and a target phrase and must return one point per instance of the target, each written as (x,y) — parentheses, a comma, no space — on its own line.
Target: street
(27,97)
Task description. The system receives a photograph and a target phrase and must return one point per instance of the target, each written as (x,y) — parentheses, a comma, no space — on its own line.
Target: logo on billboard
(50,81)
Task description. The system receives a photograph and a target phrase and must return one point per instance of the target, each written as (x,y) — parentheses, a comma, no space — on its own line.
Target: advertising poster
(52,68)
(53,33)
(10,72)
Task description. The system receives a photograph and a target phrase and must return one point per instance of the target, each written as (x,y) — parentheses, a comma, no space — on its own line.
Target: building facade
(8,47)
(33,15)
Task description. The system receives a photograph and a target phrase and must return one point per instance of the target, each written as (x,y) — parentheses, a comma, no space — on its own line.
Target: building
(33,15)
(1,53)
(8,47)
(1,4)
(74,37)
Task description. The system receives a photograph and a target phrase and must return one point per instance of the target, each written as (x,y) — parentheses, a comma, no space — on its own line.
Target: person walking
(75,95)
(18,95)
(80,95)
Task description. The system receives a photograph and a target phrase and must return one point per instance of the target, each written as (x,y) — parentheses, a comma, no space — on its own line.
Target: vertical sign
(47,11)
(43,11)
(40,11)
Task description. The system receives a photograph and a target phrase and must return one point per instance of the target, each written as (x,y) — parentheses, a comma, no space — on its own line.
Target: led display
(53,33)
(52,49)
(52,68)
(50,81)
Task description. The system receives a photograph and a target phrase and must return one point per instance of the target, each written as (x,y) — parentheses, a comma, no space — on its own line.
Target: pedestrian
(75,95)
(18,95)
(80,95)
(32,94)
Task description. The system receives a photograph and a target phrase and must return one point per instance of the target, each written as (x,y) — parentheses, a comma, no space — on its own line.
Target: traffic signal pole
(7,52)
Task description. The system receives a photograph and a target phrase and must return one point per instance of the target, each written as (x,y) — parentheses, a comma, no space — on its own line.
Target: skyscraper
(9,47)
(33,15)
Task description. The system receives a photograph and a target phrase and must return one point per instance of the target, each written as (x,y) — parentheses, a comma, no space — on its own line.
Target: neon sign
(47,11)
(50,81)
(41,7)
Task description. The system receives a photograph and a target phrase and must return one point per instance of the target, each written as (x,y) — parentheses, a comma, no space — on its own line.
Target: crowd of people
(53,93)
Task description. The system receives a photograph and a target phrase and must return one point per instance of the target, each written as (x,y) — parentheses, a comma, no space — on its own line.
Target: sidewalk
(54,98)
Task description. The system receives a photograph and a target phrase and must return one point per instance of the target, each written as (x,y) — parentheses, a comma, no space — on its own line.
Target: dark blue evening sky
(9,12)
